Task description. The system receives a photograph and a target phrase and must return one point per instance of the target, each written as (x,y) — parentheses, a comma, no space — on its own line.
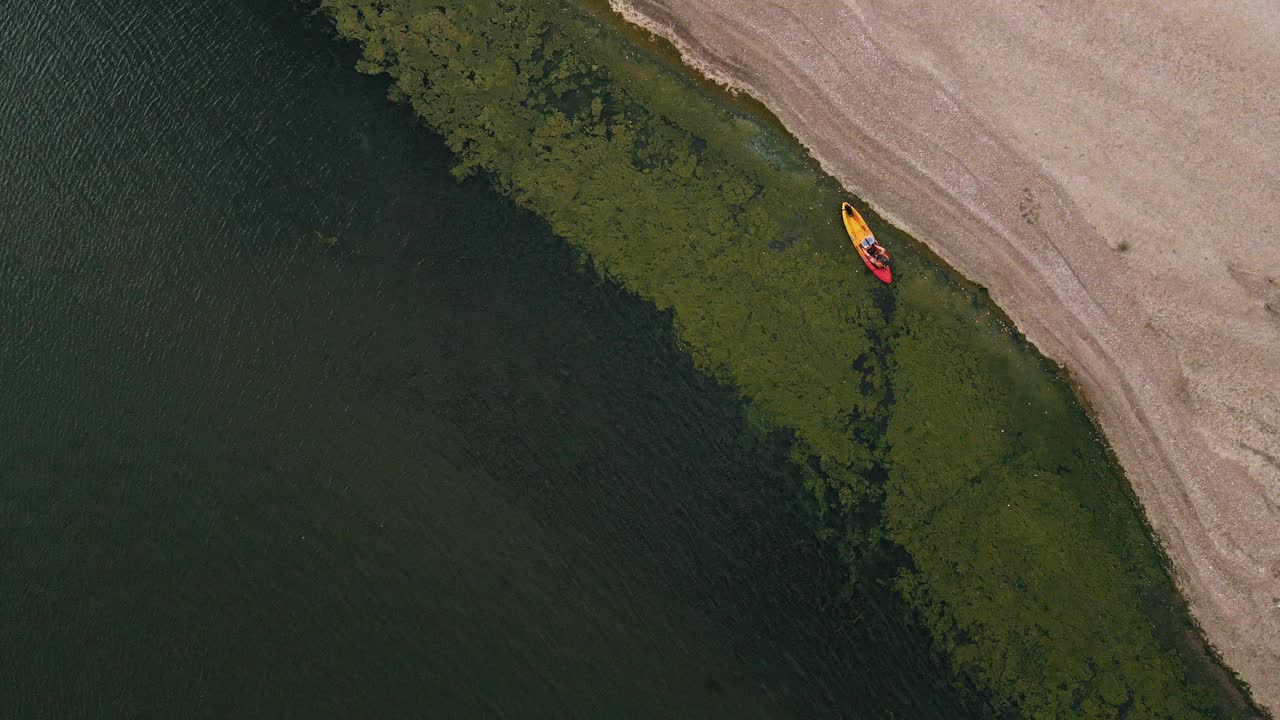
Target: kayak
(858,231)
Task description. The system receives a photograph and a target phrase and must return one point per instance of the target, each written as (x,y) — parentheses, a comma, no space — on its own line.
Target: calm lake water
(295,425)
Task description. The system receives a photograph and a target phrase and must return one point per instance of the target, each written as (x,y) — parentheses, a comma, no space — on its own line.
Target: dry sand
(1111,172)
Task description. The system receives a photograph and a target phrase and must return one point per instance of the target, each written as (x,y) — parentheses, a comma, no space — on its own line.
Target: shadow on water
(295,425)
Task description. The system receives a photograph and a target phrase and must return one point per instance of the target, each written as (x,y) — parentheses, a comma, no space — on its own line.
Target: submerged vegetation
(949,464)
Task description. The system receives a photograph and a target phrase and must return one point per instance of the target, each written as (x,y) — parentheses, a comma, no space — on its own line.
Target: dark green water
(294,425)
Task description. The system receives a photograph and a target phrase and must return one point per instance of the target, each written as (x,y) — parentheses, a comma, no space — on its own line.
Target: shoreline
(1072,248)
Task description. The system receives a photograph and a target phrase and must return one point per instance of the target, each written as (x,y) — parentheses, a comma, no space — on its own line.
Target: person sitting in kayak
(878,254)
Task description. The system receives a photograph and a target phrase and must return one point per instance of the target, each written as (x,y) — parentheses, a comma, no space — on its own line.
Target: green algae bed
(952,467)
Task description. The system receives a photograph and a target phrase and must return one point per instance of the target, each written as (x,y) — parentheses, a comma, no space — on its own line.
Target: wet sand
(1111,175)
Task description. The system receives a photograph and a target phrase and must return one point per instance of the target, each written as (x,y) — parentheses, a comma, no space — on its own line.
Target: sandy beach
(1110,173)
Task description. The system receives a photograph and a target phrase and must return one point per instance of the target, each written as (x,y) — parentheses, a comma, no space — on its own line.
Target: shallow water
(969,419)
(295,425)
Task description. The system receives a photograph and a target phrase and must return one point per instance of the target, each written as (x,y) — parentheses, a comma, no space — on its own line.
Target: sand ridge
(1110,175)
